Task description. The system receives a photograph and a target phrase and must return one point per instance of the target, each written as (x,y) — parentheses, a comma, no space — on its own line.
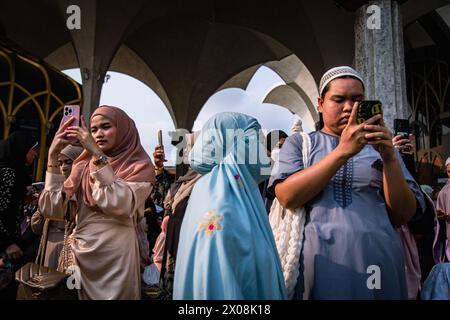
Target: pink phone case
(72,111)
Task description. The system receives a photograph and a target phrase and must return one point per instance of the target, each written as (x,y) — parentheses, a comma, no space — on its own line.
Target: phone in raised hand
(72,111)
(401,127)
(160,142)
(367,109)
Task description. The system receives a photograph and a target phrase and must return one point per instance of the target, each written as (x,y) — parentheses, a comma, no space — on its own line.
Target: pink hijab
(160,243)
(127,158)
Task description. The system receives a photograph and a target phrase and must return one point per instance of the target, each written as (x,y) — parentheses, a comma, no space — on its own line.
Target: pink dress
(105,244)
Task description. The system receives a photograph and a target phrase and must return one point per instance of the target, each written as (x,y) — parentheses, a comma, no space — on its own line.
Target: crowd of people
(135,232)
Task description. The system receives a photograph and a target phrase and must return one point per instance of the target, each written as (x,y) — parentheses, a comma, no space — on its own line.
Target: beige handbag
(37,282)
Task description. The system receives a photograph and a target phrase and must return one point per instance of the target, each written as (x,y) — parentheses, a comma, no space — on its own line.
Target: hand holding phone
(69,112)
(403,142)
(401,127)
(161,145)
(367,109)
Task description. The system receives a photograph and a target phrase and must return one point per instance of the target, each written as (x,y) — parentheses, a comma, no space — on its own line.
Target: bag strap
(40,258)
(306,148)
(43,244)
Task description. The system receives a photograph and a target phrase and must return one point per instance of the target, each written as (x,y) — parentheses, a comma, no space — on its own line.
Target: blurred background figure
(55,230)
(16,157)
(443,210)
(176,203)
(423,227)
(154,205)
(274,141)
(437,285)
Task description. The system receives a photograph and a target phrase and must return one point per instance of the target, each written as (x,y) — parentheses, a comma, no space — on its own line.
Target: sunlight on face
(104,132)
(336,106)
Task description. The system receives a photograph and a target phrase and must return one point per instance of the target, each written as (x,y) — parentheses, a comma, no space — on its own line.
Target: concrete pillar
(84,42)
(379,56)
(96,40)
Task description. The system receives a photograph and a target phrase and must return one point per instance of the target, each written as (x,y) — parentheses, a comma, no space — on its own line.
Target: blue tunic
(349,240)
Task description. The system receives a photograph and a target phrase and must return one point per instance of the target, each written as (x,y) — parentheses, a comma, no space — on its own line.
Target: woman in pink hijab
(108,186)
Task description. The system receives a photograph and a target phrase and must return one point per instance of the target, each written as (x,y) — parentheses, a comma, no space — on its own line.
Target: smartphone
(36,147)
(160,139)
(72,111)
(401,126)
(367,109)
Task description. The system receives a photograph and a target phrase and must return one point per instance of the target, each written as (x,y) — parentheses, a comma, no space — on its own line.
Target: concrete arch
(414,9)
(288,97)
(299,94)
(125,61)
(299,79)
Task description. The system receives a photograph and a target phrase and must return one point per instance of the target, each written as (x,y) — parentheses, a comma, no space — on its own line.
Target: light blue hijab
(226,249)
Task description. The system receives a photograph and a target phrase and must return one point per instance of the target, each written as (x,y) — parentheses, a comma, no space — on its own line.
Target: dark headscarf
(272,135)
(13,153)
(14,149)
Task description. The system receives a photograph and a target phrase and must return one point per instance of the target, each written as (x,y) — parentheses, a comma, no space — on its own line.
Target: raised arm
(52,201)
(400,200)
(304,185)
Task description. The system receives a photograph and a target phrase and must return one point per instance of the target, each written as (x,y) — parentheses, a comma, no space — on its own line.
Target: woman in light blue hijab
(227,250)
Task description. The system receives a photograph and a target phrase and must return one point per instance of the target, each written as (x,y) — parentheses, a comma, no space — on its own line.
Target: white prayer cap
(296,126)
(338,72)
(447,162)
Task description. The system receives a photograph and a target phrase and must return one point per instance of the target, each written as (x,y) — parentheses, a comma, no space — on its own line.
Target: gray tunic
(348,234)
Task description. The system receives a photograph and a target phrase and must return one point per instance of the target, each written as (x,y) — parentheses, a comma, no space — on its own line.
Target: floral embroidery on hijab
(210,223)
(238,180)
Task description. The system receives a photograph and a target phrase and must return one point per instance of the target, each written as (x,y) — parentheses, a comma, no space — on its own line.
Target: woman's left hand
(380,138)
(83,135)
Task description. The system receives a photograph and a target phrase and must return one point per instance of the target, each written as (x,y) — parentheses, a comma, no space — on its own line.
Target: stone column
(102,28)
(93,66)
(379,57)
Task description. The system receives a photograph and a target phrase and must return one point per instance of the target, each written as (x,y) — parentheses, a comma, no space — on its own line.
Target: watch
(101,160)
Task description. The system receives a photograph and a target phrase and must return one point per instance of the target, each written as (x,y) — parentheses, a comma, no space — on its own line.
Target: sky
(150,114)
